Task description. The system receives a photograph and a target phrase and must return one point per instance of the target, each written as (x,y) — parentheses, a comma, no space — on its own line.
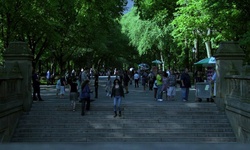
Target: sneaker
(160,100)
(184,100)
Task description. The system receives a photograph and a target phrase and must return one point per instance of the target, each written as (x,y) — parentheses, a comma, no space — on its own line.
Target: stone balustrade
(15,87)
(233,94)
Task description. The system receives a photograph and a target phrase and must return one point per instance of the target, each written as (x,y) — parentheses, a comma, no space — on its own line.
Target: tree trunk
(162,60)
(208,48)
(208,44)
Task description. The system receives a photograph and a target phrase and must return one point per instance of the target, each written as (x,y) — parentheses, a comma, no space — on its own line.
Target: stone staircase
(143,120)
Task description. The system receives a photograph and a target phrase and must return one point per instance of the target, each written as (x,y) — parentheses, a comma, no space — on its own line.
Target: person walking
(117,93)
(213,83)
(73,96)
(151,80)
(96,84)
(58,87)
(36,87)
(159,86)
(185,84)
(126,81)
(164,88)
(108,86)
(83,75)
(48,75)
(85,96)
(197,79)
(171,81)
(144,79)
(136,78)
(155,87)
(62,87)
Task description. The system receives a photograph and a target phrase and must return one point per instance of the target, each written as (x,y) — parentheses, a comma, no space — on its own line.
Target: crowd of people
(161,82)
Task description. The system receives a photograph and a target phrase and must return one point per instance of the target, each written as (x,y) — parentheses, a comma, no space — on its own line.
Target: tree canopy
(72,34)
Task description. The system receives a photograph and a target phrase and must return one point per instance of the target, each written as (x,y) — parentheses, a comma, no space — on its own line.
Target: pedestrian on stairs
(117,93)
(108,86)
(73,96)
(85,96)
(58,87)
(185,84)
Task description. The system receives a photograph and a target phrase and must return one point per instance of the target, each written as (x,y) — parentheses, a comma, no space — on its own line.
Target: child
(58,85)
(108,86)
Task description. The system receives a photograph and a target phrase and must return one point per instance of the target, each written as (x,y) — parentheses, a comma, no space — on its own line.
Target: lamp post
(194,56)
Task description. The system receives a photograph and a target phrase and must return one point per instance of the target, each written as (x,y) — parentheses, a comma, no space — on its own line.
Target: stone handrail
(11,102)
(237,105)
(238,87)
(15,89)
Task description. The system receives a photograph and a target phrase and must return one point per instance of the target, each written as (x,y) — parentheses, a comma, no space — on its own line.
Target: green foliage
(85,33)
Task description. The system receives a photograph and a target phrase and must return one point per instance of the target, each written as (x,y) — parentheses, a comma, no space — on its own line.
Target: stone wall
(15,87)
(233,88)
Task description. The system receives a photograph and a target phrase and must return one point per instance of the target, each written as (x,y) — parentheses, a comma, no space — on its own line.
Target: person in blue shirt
(85,96)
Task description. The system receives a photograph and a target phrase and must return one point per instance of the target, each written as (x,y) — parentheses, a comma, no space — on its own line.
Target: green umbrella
(156,62)
(206,61)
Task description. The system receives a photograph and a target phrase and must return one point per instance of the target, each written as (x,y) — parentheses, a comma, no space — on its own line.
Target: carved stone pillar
(229,55)
(18,52)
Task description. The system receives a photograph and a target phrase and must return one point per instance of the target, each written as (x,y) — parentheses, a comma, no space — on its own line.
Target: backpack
(85,92)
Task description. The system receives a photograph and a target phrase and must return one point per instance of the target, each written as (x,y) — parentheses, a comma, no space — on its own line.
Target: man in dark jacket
(36,87)
(185,84)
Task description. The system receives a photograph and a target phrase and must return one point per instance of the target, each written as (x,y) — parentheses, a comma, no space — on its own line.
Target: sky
(129,6)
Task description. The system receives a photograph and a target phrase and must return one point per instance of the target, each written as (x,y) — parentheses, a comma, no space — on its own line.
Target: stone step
(48,121)
(109,115)
(155,125)
(143,120)
(126,139)
(79,134)
(59,129)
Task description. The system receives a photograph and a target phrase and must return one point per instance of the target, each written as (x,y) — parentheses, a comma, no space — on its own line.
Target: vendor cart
(203,90)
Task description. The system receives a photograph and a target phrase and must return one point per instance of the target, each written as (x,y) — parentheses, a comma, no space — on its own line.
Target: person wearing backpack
(85,96)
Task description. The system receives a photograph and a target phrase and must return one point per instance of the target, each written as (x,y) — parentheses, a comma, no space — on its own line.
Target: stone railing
(237,104)
(11,103)
(15,87)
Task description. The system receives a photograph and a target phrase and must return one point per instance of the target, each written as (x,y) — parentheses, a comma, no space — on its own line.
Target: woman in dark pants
(117,94)
(85,96)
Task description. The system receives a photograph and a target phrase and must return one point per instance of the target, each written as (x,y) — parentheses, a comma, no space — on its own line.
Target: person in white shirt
(136,78)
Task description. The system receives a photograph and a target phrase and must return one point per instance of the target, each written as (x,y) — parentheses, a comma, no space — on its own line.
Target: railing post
(18,52)
(229,55)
